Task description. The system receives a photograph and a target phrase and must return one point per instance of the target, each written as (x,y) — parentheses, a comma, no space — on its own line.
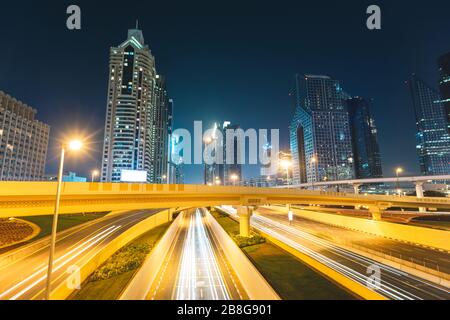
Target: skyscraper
(444,85)
(23,141)
(433,140)
(232,172)
(138,114)
(366,152)
(320,132)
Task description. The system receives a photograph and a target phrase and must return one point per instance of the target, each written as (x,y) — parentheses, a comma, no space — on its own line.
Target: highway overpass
(38,198)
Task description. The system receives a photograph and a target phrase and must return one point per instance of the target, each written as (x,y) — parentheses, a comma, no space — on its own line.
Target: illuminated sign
(133,176)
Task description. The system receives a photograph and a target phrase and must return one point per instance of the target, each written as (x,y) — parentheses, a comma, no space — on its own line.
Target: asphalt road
(195,268)
(25,279)
(394,284)
(433,259)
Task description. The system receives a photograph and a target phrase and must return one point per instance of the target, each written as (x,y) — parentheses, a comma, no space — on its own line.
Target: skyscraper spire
(137,24)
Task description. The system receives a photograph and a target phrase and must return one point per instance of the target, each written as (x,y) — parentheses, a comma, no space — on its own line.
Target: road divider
(254,284)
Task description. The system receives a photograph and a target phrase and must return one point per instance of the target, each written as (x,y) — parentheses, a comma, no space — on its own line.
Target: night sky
(224,61)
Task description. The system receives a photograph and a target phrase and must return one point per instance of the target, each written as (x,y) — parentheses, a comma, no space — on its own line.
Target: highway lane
(195,268)
(25,279)
(394,284)
(431,258)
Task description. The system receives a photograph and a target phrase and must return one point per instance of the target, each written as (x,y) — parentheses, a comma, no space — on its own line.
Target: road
(433,259)
(195,268)
(25,279)
(394,284)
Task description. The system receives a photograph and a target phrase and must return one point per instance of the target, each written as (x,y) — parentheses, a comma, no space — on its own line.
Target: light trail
(395,284)
(59,263)
(200,277)
(390,280)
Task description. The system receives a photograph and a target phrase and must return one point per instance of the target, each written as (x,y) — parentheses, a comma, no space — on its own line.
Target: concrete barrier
(139,286)
(62,291)
(255,285)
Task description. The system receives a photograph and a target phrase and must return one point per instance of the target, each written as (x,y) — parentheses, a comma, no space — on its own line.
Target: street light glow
(286,164)
(75,145)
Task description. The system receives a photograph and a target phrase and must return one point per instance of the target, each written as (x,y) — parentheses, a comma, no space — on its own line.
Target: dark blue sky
(224,61)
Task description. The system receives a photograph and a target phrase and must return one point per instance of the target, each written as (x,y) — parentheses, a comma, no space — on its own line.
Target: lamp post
(234,178)
(397,173)
(94,174)
(286,164)
(73,145)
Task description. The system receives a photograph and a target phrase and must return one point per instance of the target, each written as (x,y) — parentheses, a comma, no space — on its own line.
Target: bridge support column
(245,213)
(419,194)
(356,187)
(376,212)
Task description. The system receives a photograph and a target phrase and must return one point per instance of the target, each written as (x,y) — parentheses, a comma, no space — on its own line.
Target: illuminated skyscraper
(444,85)
(433,140)
(320,132)
(138,114)
(367,159)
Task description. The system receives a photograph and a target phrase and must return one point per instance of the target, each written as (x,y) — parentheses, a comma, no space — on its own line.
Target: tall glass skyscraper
(320,131)
(367,159)
(138,115)
(433,140)
(444,85)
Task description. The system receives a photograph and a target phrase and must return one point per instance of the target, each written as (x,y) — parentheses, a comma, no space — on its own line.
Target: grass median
(65,221)
(112,277)
(288,276)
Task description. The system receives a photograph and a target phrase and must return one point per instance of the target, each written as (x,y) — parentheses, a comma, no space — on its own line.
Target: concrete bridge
(38,198)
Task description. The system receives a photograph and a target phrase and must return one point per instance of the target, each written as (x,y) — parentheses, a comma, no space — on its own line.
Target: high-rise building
(24,141)
(231,173)
(433,140)
(444,85)
(138,116)
(320,131)
(366,152)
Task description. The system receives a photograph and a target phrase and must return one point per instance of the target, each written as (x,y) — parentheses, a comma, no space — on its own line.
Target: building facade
(433,140)
(138,114)
(366,151)
(444,85)
(24,141)
(320,131)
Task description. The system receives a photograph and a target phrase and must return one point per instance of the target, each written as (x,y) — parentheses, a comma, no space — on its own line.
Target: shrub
(126,259)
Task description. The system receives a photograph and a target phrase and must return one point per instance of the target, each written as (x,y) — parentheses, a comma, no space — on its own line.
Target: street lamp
(94,174)
(73,145)
(397,173)
(286,164)
(234,178)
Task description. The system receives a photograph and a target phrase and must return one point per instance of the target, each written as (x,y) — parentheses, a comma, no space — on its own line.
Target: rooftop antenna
(137,24)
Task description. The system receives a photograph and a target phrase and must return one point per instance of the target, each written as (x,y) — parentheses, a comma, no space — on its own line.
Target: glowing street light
(94,174)
(286,164)
(234,177)
(73,145)
(398,171)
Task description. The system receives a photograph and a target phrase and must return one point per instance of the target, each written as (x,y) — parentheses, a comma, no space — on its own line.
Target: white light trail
(59,263)
(200,277)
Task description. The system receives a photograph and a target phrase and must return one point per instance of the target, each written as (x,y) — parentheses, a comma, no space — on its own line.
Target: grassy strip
(232,228)
(288,276)
(110,279)
(65,221)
